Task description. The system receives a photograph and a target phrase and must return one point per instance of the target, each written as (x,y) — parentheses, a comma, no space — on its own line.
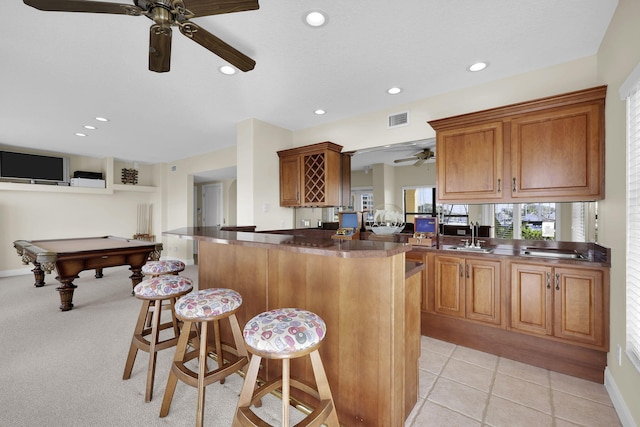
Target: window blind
(578,222)
(633,224)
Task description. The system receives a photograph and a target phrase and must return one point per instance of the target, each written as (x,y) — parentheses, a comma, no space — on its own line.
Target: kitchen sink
(552,253)
(470,249)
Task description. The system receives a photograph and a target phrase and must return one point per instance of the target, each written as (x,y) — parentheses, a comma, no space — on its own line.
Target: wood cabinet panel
(316,175)
(482,290)
(468,287)
(579,305)
(564,302)
(470,162)
(449,286)
(531,298)
(563,142)
(290,181)
(550,149)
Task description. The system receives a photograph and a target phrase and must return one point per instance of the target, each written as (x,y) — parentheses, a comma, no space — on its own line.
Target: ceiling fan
(419,157)
(165,14)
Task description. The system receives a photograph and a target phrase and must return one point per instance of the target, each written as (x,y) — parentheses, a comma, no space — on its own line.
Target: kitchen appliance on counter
(425,231)
(349,224)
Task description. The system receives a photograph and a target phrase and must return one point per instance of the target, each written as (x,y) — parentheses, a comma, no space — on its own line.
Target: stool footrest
(190,377)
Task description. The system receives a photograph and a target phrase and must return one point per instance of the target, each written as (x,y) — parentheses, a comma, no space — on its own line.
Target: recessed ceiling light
(320,112)
(227,70)
(315,18)
(478,66)
(90,127)
(102,119)
(394,90)
(80,134)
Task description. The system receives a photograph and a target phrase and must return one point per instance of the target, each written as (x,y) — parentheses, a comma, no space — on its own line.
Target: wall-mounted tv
(33,167)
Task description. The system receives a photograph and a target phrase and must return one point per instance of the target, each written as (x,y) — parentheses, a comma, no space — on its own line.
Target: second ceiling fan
(166,14)
(419,157)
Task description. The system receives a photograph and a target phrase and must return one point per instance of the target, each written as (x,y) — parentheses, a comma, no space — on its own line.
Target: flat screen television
(33,167)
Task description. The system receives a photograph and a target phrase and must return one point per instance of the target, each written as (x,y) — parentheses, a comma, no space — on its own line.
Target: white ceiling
(60,70)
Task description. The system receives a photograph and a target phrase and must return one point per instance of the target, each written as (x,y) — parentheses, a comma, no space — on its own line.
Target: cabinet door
(470,163)
(557,154)
(579,305)
(290,179)
(449,285)
(531,298)
(482,291)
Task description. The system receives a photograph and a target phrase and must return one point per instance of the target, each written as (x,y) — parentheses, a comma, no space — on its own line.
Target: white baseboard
(618,402)
(16,272)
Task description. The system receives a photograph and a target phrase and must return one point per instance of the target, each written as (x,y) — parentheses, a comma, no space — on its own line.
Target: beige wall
(618,56)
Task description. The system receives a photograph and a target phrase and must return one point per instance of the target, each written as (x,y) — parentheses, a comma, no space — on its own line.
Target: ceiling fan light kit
(166,14)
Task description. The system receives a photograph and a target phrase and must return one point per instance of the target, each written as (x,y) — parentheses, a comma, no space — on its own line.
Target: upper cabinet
(317,175)
(550,149)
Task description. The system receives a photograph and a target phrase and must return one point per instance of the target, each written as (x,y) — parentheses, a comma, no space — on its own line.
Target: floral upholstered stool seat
(197,310)
(285,334)
(158,268)
(156,293)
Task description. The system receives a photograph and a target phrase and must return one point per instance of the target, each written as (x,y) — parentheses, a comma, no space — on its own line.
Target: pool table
(71,256)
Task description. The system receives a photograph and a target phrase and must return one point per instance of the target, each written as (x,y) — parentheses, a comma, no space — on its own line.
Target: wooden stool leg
(174,319)
(202,370)
(324,391)
(216,332)
(181,349)
(246,394)
(286,372)
(133,349)
(153,353)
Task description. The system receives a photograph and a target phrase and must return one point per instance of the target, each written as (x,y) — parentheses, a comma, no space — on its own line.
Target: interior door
(212,205)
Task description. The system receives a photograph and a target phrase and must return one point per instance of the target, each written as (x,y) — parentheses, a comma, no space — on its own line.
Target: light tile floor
(463,387)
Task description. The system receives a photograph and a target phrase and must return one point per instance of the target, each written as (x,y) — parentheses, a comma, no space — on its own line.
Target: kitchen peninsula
(366,292)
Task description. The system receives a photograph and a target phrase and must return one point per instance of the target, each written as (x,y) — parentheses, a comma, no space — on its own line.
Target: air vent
(400,119)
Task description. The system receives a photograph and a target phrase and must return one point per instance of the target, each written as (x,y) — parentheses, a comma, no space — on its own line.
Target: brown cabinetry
(560,301)
(314,176)
(550,149)
(468,288)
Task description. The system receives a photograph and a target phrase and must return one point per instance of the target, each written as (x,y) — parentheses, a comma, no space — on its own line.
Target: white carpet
(65,368)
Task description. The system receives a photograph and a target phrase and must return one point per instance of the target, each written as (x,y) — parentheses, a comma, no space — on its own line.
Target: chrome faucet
(473,233)
(475,230)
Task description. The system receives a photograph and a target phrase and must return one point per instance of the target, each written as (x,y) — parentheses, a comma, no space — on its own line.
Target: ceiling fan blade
(419,162)
(83,6)
(217,7)
(404,160)
(159,49)
(217,46)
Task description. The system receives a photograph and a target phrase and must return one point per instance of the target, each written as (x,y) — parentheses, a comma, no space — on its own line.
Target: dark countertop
(294,243)
(594,255)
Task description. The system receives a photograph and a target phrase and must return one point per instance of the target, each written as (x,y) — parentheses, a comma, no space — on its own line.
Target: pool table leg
(136,277)
(99,274)
(38,273)
(66,289)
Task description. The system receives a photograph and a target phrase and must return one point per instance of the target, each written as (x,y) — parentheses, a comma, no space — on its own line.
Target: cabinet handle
(461,270)
(499,187)
(514,185)
(467,271)
(548,280)
(557,281)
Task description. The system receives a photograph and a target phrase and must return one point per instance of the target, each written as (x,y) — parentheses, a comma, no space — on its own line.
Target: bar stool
(285,333)
(201,308)
(158,268)
(157,293)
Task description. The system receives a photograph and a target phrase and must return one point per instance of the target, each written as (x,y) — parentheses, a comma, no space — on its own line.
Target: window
(529,221)
(421,201)
(632,96)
